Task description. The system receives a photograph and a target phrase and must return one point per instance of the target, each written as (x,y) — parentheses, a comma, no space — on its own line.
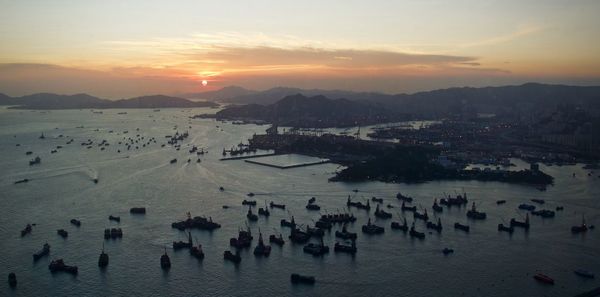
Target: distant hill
(272,95)
(221,94)
(79,101)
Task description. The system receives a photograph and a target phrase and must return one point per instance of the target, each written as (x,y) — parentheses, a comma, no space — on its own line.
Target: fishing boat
(60,266)
(474,214)
(343,248)
(422,216)
(414,233)
(382,214)
(277,240)
(544,278)
(403,207)
(235,258)
(275,205)
(377,200)
(436,207)
(41,253)
(316,249)
(177,245)
(165,261)
(261,249)
(509,229)
(313,206)
(581,228)
(399,196)
(138,210)
(251,216)
(525,224)
(249,202)
(499,202)
(323,224)
(462,227)
(301,279)
(243,240)
(12,279)
(290,224)
(372,228)
(344,234)
(528,207)
(299,236)
(544,213)
(198,222)
(447,251)
(26,231)
(358,204)
(113,218)
(103,259)
(316,232)
(264,211)
(538,201)
(62,233)
(398,226)
(76,222)
(197,252)
(584,273)
(437,227)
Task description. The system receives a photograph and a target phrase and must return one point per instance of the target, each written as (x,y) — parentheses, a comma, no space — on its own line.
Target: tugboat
(543,278)
(509,229)
(26,231)
(403,207)
(235,258)
(103,259)
(437,227)
(251,217)
(59,265)
(76,222)
(165,261)
(423,216)
(316,249)
(344,234)
(436,207)
(177,245)
(62,233)
(415,233)
(474,214)
(12,279)
(116,219)
(301,279)
(372,228)
(41,253)
(277,240)
(382,214)
(462,227)
(581,228)
(525,225)
(261,249)
(397,226)
(275,205)
(342,248)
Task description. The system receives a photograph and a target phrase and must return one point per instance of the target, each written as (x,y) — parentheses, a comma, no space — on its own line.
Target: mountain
(221,94)
(317,111)
(272,95)
(80,101)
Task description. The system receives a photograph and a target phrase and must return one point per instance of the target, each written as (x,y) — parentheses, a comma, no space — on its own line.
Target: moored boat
(301,279)
(41,253)
(584,273)
(165,261)
(59,265)
(543,278)
(370,228)
(229,256)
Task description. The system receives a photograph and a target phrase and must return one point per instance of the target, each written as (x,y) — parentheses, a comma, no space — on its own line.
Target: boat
(275,205)
(21,181)
(528,207)
(581,228)
(299,236)
(415,233)
(250,194)
(173,161)
(399,196)
(436,207)
(584,273)
(559,208)
(235,258)
(113,233)
(277,240)
(221,189)
(249,202)
(422,216)
(323,224)
(382,214)
(341,218)
(544,213)
(243,240)
(301,279)
(509,229)
(197,252)
(437,227)
(35,161)
(358,205)
(12,279)
(313,206)
(403,207)
(60,266)
(525,224)
(377,200)
(41,253)
(344,234)
(447,251)
(62,233)
(459,200)
(397,226)
(165,261)
(499,202)
(474,214)
(544,278)
(138,210)
(316,249)
(261,249)
(251,216)
(103,259)
(343,248)
(316,232)
(198,222)
(312,200)
(462,227)
(177,245)
(76,222)
(372,228)
(291,224)
(538,201)
(113,218)
(26,231)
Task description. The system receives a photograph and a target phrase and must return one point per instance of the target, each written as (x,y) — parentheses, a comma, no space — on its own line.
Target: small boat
(584,273)
(398,226)
(221,189)
(415,233)
(35,161)
(544,278)
(301,279)
(12,279)
(509,229)
(436,207)
(41,253)
(476,215)
(113,218)
(235,258)
(312,206)
(343,248)
(559,208)
(113,233)
(377,200)
(544,213)
(528,207)
(250,194)
(197,252)
(298,236)
(423,216)
(261,249)
(290,224)
(316,249)
(372,228)
(275,205)
(26,231)
(312,200)
(177,245)
(538,201)
(581,228)
(437,227)
(447,251)
(344,234)
(251,216)
(165,261)
(103,259)
(399,196)
(499,202)
(76,222)
(382,214)
(173,161)
(525,224)
(249,202)
(403,207)
(59,265)
(62,233)
(138,210)
(277,240)
(21,181)
(462,227)
(225,206)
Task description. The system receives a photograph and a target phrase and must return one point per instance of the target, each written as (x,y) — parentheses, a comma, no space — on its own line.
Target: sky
(117,48)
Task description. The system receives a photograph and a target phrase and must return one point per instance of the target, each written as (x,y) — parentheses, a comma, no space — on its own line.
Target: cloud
(521,32)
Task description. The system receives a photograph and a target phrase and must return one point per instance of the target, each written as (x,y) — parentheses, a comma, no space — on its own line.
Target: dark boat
(261,249)
(538,201)
(581,228)
(113,233)
(312,200)
(476,215)
(344,234)
(138,210)
(22,181)
(525,224)
(509,229)
(95,180)
(544,213)
(459,200)
(62,233)
(397,226)
(408,208)
(197,252)
(343,248)
(165,261)
(59,266)
(437,227)
(249,202)
(243,240)
(221,189)
(235,258)
(399,196)
(462,227)
(436,207)
(377,200)
(559,208)
(26,231)
(372,228)
(543,278)
(275,205)
(116,219)
(12,279)
(301,279)
(264,211)
(250,194)
(76,222)
(201,223)
(447,251)
(312,206)
(415,233)
(41,253)
(528,207)
(177,245)
(316,232)
(35,161)
(291,224)
(358,205)
(103,259)
(316,249)
(341,218)
(382,214)
(584,273)
(173,161)
(422,216)
(277,240)
(251,216)
(323,224)
(500,202)
(298,236)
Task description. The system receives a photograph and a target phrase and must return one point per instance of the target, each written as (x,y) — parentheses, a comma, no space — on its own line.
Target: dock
(289,166)
(248,157)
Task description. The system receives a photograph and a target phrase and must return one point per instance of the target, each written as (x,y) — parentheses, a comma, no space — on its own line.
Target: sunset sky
(119,48)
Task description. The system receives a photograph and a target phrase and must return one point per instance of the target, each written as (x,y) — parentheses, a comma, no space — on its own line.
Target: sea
(485,262)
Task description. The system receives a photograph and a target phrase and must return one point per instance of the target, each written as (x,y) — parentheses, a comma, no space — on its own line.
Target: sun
(204,83)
